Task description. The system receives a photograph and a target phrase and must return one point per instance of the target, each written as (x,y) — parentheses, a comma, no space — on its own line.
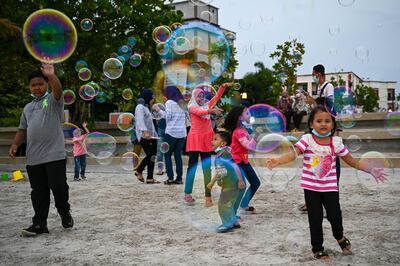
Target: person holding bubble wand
(319,181)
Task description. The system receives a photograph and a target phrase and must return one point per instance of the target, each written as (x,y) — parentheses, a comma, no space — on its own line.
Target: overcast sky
(362,36)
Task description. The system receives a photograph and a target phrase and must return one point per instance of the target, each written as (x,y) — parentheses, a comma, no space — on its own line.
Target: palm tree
(9,31)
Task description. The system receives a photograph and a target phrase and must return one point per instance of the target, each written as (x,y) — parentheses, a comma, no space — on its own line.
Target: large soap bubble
(100,145)
(195,43)
(49,36)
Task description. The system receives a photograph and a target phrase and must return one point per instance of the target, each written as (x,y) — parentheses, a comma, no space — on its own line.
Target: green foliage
(114,21)
(335,82)
(231,67)
(289,56)
(260,85)
(367,97)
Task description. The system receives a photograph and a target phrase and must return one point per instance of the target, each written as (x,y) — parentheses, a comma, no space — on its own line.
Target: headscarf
(173,93)
(147,95)
(193,102)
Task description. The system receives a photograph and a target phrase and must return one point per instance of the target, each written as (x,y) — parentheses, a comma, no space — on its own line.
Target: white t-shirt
(328,91)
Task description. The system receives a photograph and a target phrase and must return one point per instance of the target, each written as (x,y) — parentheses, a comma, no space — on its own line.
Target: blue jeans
(161,134)
(176,147)
(251,176)
(80,165)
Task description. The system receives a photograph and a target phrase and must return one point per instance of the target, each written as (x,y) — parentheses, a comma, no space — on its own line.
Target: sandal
(139,176)
(345,245)
(152,181)
(321,255)
(208,202)
(188,199)
(303,208)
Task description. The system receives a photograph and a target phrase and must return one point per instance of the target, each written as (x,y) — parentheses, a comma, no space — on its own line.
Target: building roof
(347,72)
(191,3)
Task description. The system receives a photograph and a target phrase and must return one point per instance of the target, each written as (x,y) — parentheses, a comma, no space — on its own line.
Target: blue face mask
(39,98)
(321,135)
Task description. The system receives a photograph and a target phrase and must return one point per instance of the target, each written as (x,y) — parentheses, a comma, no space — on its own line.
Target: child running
(228,176)
(241,142)
(80,152)
(319,179)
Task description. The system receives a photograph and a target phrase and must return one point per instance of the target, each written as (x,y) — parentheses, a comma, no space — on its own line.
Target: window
(314,89)
(391,96)
(391,106)
(376,90)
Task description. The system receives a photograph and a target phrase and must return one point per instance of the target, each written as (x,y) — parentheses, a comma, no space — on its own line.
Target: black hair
(232,119)
(37,74)
(225,136)
(320,108)
(319,69)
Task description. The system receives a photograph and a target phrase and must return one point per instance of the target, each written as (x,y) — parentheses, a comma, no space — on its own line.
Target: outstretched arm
(377,173)
(283,159)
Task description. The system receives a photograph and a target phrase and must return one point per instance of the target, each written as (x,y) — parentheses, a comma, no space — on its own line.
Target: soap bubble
(49,36)
(113,68)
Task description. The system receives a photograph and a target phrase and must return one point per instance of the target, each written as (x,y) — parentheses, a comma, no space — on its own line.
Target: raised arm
(218,95)
(19,138)
(84,125)
(54,82)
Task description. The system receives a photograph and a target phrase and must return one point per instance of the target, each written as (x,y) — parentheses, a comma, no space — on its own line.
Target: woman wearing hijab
(199,140)
(146,135)
(175,133)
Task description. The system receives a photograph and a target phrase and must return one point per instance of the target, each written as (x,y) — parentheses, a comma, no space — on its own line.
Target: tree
(114,21)
(367,97)
(339,82)
(289,56)
(259,85)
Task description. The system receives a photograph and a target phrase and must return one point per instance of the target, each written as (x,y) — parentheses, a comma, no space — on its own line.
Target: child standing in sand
(45,154)
(80,152)
(319,179)
(241,143)
(228,176)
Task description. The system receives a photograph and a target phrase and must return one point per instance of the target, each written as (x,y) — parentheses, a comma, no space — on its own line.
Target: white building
(385,89)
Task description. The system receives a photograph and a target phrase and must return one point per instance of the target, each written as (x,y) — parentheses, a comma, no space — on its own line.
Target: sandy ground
(119,221)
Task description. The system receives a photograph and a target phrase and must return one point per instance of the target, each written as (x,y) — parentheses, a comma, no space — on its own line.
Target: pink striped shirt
(319,163)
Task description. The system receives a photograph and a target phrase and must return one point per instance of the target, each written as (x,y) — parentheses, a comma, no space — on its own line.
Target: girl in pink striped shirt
(319,179)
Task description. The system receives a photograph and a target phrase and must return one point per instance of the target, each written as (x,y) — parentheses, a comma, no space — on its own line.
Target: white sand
(119,221)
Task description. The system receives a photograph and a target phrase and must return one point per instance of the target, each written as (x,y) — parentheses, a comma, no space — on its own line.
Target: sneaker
(77,179)
(188,199)
(177,182)
(67,221)
(224,229)
(34,230)
(83,177)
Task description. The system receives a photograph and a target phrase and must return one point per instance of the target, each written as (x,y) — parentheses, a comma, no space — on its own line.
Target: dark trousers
(43,178)
(80,165)
(176,147)
(330,200)
(150,149)
(251,176)
(288,116)
(297,117)
(338,169)
(191,172)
